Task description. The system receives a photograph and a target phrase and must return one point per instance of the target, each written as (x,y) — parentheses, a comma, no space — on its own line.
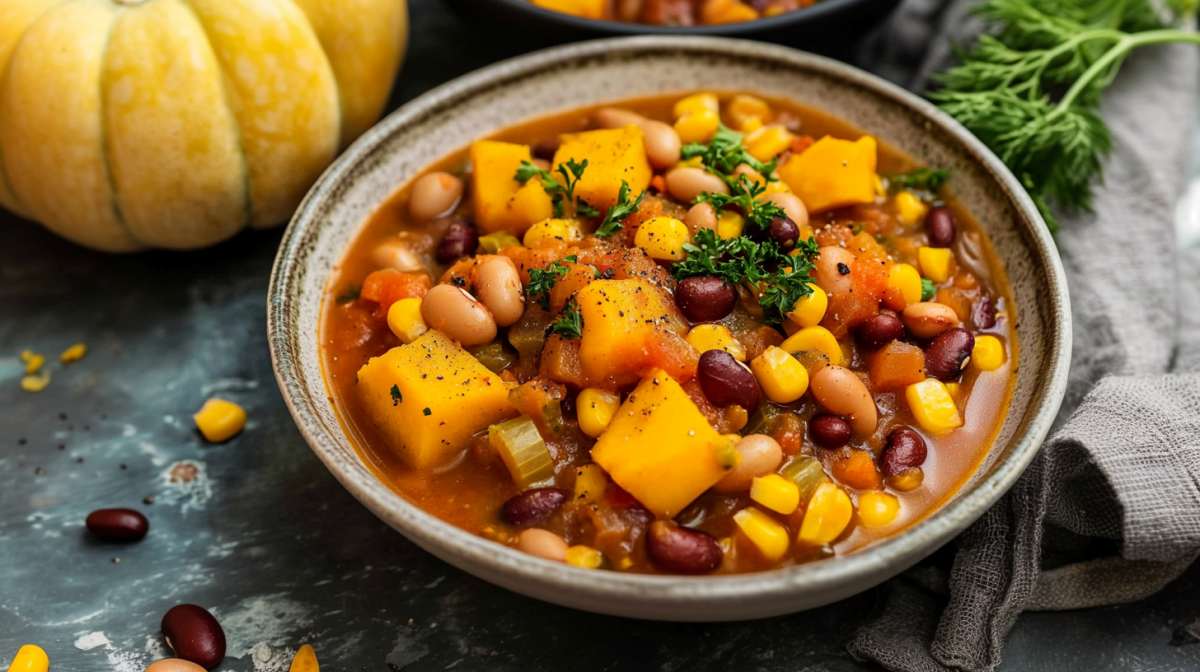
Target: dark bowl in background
(830,27)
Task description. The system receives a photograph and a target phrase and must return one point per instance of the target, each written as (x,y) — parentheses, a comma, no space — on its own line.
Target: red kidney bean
(460,241)
(785,233)
(946,353)
(905,448)
(705,299)
(829,431)
(880,330)
(567,405)
(726,381)
(118,524)
(533,505)
(682,551)
(194,635)
(939,227)
(983,312)
(545,149)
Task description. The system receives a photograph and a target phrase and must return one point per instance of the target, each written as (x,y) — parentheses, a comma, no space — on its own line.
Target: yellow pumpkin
(128,124)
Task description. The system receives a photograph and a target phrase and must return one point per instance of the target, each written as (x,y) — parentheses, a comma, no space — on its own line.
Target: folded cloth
(1109,512)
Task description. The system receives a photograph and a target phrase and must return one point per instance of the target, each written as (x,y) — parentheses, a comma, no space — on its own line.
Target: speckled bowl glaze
(453,115)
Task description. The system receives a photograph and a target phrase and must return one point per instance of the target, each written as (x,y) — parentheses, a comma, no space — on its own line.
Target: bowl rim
(465,549)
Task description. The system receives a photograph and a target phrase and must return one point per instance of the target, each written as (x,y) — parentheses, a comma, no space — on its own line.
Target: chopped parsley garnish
(542,281)
(560,191)
(426,411)
(396,396)
(623,209)
(928,290)
(351,293)
(725,152)
(745,196)
(570,325)
(924,179)
(781,279)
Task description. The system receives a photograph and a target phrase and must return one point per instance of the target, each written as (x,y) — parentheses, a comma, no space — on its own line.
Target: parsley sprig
(781,279)
(745,193)
(542,281)
(623,209)
(560,191)
(924,179)
(725,152)
(570,325)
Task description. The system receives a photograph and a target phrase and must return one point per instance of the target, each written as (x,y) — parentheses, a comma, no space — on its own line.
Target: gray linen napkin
(1110,510)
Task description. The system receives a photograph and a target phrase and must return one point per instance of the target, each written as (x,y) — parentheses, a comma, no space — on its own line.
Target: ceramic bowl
(453,115)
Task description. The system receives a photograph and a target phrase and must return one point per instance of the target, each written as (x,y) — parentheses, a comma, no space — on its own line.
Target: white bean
(841,391)
(434,195)
(700,216)
(761,455)
(498,285)
(928,318)
(397,255)
(662,142)
(455,313)
(829,269)
(792,206)
(685,184)
(542,544)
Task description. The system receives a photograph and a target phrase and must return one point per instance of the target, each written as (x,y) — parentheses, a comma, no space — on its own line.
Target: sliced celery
(494,356)
(523,450)
(806,472)
(494,242)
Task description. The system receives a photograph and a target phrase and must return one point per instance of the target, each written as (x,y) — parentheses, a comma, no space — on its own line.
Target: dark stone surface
(266,538)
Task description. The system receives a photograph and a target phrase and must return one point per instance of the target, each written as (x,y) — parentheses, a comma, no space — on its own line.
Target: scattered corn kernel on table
(259,532)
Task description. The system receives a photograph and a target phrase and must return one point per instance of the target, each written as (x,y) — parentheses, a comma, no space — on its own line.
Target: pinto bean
(700,216)
(792,206)
(879,330)
(533,505)
(499,287)
(829,270)
(194,635)
(680,550)
(726,381)
(455,313)
(928,318)
(829,431)
(841,391)
(662,141)
(543,544)
(685,184)
(118,524)
(434,195)
(705,299)
(949,351)
(173,665)
(905,449)
(761,455)
(939,227)
(460,241)
(397,255)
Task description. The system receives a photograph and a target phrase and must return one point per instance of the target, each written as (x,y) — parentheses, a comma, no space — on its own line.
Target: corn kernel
(954,389)
(625,563)
(662,238)
(988,354)
(877,509)
(219,420)
(584,556)
(730,224)
(562,229)
(305,660)
(590,482)
(905,279)
(595,410)
(694,162)
(775,493)
(936,263)
(828,513)
(698,126)
(781,376)
(910,209)
(30,658)
(768,142)
(781,187)
(727,11)
(932,406)
(705,337)
(751,125)
(33,362)
(744,109)
(405,321)
(37,382)
(815,339)
(697,102)
(73,354)
(768,536)
(808,311)
(880,187)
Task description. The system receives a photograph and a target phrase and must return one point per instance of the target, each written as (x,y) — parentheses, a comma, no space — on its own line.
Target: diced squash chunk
(933,407)
(768,536)
(937,263)
(857,470)
(590,483)
(428,397)
(587,9)
(896,366)
(832,173)
(613,155)
(502,203)
(629,328)
(660,448)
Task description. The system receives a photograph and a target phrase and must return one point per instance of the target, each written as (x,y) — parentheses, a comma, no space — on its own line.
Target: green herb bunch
(745,193)
(725,152)
(541,281)
(1031,90)
(560,191)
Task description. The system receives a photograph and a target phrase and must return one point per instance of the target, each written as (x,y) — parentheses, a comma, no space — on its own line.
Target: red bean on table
(726,381)
(879,330)
(460,241)
(905,448)
(829,431)
(533,504)
(939,227)
(705,299)
(194,635)
(118,524)
(677,549)
(946,353)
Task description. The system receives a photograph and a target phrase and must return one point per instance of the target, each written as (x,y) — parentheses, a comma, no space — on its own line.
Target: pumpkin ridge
(104,146)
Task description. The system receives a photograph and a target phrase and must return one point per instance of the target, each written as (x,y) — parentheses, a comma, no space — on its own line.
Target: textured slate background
(259,532)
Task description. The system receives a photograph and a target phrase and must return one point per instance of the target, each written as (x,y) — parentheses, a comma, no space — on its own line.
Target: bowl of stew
(673,328)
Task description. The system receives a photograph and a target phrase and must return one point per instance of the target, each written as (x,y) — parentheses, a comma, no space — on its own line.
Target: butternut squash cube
(501,202)
(613,155)
(428,397)
(832,173)
(626,324)
(659,447)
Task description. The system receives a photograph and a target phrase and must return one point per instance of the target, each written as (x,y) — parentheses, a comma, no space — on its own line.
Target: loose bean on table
(498,284)
(829,431)
(939,227)
(904,450)
(455,313)
(533,505)
(173,665)
(761,455)
(928,319)
(685,184)
(680,550)
(434,194)
(947,354)
(841,391)
(459,241)
(879,330)
(118,524)
(726,381)
(705,299)
(543,544)
(194,635)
